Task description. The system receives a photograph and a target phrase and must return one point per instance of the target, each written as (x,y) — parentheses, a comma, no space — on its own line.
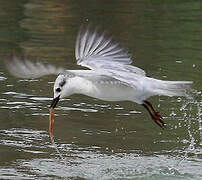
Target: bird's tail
(170,88)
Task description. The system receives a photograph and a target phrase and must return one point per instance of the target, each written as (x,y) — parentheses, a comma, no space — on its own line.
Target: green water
(97,139)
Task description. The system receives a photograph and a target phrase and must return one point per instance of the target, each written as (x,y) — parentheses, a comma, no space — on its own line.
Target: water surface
(97,139)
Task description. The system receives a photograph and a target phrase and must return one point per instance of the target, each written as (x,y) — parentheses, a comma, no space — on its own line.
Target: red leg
(155,112)
(150,105)
(156,117)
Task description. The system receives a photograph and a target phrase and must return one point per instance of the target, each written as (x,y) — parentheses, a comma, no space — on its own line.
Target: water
(96,139)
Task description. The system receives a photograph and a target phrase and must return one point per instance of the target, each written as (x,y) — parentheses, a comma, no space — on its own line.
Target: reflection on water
(52,30)
(101,140)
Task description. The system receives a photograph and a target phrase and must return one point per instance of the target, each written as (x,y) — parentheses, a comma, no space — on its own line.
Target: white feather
(94,49)
(28,69)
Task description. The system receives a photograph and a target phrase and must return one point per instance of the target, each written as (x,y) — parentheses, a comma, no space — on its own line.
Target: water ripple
(99,166)
(23,139)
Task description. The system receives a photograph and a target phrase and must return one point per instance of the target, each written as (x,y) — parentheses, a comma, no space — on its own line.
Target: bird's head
(58,90)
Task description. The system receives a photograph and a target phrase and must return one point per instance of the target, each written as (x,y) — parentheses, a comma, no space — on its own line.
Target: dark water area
(98,139)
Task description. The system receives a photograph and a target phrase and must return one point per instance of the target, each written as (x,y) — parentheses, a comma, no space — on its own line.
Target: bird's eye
(58,90)
(62,83)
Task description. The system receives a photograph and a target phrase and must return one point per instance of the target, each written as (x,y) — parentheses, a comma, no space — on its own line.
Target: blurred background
(97,139)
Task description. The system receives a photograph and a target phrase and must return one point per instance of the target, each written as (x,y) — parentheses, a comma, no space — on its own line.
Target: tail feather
(171,88)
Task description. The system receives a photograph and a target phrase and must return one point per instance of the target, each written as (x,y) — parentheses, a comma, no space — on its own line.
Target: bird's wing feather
(28,69)
(97,50)
(128,79)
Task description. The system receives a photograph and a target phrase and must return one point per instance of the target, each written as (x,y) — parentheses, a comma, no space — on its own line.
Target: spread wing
(28,69)
(95,50)
(98,51)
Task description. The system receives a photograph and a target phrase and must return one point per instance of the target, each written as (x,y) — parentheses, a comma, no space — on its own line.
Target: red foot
(156,117)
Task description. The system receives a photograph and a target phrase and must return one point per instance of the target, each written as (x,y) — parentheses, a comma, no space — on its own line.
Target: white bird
(111,76)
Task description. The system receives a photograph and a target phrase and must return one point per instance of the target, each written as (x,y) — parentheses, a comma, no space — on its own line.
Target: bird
(110,75)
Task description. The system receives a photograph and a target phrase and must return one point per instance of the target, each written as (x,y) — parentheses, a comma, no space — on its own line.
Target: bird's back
(99,86)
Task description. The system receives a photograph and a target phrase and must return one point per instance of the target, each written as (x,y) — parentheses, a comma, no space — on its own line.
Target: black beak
(54,102)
